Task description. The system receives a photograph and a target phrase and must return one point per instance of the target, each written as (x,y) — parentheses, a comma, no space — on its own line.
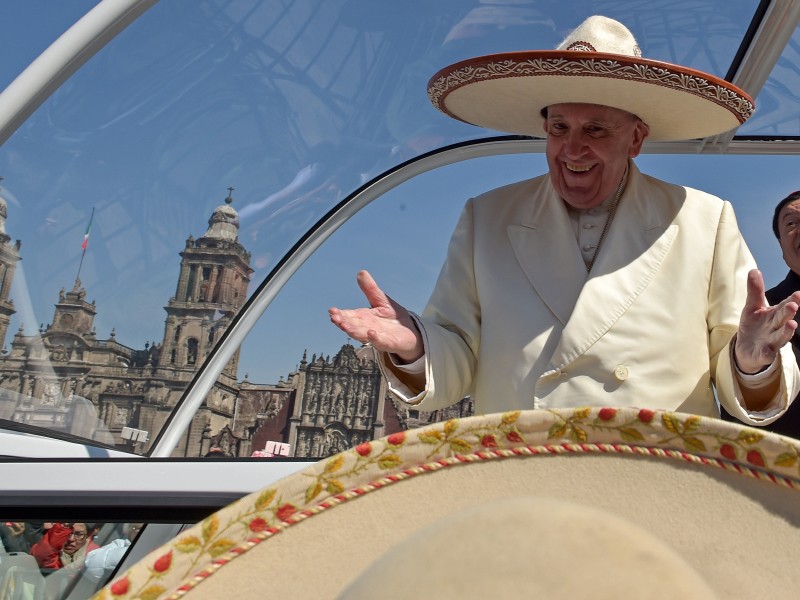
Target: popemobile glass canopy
(163,207)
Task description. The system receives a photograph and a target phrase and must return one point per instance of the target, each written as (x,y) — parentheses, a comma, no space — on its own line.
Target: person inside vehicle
(47,549)
(595,284)
(78,544)
(101,563)
(19,536)
(786,227)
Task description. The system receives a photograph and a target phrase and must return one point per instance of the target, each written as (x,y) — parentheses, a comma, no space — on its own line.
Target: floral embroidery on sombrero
(684,431)
(199,552)
(458,439)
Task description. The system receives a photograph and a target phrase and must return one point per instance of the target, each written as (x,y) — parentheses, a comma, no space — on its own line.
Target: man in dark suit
(786,226)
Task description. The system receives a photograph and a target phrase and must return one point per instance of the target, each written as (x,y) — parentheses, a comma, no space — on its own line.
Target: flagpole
(84,245)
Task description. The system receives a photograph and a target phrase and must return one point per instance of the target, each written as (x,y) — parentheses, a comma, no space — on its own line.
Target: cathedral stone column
(26,384)
(183,282)
(212,284)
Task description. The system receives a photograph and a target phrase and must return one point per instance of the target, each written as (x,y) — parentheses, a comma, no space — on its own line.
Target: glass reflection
(293,105)
(777,104)
(61,560)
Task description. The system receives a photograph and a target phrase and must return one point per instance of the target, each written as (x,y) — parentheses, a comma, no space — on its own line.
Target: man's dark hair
(790,198)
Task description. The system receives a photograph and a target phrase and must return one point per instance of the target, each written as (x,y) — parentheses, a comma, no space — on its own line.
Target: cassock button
(621,372)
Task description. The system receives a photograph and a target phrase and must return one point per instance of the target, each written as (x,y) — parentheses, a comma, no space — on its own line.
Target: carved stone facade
(331,404)
(65,379)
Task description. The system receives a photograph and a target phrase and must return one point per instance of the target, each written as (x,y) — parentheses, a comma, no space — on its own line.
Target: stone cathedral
(65,379)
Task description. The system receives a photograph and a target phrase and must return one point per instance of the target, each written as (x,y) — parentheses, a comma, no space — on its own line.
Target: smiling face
(588,147)
(789,232)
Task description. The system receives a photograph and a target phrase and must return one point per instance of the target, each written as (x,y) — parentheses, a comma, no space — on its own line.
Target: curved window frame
(246,319)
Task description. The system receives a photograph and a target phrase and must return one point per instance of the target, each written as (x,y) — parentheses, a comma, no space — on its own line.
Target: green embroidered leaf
(334,487)
(579,434)
(313,491)
(671,422)
(557,430)
(582,413)
(334,464)
(210,527)
(220,547)
(188,545)
(450,427)
(152,592)
(460,445)
(510,417)
(630,434)
(691,424)
(431,437)
(787,459)
(390,461)
(265,499)
(750,436)
(694,443)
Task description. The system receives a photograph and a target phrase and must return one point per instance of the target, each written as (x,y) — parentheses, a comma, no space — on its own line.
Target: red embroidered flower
(396,439)
(120,588)
(489,441)
(606,414)
(728,451)
(513,436)
(646,415)
(754,458)
(163,563)
(285,511)
(258,524)
(364,449)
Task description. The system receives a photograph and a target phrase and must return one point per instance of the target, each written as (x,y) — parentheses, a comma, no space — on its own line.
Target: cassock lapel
(635,247)
(555,269)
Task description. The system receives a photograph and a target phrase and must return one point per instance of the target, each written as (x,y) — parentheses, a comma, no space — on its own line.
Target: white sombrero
(571,503)
(599,63)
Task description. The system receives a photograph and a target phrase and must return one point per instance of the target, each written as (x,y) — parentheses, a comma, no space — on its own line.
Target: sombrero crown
(599,63)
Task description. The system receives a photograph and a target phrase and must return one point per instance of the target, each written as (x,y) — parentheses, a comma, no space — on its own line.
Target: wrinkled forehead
(790,208)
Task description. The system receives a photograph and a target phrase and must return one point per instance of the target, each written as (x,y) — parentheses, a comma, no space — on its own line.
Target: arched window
(191,351)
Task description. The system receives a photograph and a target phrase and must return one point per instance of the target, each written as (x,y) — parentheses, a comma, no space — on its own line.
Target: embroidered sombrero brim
(722,497)
(506,92)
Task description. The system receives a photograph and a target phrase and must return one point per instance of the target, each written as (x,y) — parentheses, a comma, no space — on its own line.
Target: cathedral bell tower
(9,257)
(214,275)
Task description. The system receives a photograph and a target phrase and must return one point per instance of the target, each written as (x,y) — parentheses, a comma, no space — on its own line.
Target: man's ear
(640,132)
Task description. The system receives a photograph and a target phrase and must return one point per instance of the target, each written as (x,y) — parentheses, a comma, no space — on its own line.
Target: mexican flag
(85,242)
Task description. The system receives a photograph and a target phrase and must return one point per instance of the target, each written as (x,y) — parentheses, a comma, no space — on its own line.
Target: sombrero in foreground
(601,503)
(599,63)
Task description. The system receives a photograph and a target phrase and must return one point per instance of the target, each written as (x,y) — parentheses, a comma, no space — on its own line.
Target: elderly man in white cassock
(594,284)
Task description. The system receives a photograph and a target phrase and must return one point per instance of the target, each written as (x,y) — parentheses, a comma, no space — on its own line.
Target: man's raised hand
(386,325)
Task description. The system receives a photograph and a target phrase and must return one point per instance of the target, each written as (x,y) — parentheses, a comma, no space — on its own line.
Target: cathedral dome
(224,222)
